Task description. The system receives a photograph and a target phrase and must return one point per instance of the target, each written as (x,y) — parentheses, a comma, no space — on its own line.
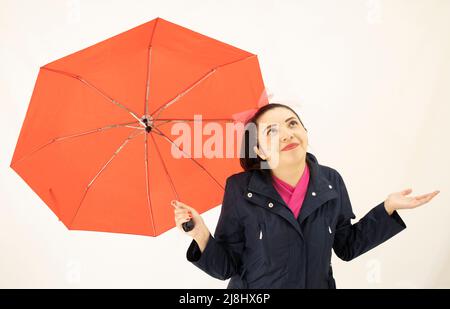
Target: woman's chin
(295,155)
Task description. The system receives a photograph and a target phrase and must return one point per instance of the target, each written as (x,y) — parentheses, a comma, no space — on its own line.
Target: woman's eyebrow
(289,119)
(273,124)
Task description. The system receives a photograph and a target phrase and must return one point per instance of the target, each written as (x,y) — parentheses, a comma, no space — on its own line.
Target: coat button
(329,186)
(270,205)
(249,194)
(313,194)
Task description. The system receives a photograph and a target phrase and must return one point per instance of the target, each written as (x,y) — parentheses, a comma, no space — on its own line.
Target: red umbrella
(96,144)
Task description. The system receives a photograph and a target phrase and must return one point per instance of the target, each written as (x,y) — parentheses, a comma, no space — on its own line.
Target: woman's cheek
(273,146)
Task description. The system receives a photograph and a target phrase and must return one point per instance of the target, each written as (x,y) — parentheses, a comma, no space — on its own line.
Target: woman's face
(278,128)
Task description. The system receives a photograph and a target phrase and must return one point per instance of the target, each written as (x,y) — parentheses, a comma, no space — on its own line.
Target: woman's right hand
(184,213)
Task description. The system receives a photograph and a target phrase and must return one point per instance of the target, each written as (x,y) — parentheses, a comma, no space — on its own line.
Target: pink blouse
(293,196)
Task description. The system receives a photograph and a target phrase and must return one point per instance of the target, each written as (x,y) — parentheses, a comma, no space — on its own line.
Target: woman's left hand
(400,200)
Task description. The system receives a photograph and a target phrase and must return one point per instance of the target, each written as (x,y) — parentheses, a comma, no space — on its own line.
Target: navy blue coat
(259,243)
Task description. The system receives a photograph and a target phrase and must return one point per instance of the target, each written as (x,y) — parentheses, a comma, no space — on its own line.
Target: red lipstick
(290,146)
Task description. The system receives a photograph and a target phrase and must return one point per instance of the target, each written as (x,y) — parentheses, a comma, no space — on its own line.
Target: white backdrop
(369,78)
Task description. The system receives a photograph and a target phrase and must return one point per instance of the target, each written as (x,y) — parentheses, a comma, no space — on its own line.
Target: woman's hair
(249,160)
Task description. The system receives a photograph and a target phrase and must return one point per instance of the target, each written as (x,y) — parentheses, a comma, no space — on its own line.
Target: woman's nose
(287,137)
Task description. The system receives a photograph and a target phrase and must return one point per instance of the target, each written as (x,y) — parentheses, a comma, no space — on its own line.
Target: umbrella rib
(165,169)
(127,125)
(242,59)
(147,186)
(131,136)
(164,121)
(190,119)
(179,96)
(147,92)
(195,161)
(149,60)
(57,139)
(84,81)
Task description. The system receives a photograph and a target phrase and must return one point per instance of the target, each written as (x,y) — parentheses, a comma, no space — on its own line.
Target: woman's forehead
(276,115)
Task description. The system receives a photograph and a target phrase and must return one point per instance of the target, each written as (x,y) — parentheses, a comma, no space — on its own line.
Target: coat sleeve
(221,257)
(377,226)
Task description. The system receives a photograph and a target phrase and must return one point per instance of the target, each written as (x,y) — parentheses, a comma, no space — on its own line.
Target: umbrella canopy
(96,144)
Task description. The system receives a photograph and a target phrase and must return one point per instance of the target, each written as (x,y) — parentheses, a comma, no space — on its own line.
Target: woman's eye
(293,122)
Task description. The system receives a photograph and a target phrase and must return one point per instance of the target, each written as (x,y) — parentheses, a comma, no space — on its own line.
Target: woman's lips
(290,146)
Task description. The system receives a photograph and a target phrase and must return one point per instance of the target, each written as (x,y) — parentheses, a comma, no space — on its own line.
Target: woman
(277,225)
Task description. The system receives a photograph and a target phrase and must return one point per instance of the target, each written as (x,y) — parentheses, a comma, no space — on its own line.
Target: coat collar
(320,190)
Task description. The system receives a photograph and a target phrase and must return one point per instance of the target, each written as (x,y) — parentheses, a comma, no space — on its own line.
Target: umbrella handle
(188,226)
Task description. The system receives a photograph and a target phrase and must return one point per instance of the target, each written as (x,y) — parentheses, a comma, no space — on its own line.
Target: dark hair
(249,160)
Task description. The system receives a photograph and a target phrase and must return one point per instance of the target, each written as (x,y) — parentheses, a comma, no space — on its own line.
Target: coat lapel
(320,189)
(317,194)
(261,184)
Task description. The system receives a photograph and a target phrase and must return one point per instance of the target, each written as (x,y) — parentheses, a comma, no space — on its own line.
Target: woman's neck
(290,174)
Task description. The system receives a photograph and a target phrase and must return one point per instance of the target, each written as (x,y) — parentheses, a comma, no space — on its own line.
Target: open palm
(401,200)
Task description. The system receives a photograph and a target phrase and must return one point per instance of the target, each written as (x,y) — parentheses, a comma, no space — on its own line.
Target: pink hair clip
(244,116)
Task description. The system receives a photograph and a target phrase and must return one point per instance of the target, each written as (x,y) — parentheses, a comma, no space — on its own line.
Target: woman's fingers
(406,192)
(401,200)
(426,197)
(181,219)
(423,199)
(184,213)
(178,204)
(421,196)
(181,205)
(174,204)
(181,208)
(181,211)
(183,216)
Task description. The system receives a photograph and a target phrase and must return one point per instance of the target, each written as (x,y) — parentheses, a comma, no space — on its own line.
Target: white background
(370,80)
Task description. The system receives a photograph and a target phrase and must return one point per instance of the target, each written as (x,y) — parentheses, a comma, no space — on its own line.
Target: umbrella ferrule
(147,123)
